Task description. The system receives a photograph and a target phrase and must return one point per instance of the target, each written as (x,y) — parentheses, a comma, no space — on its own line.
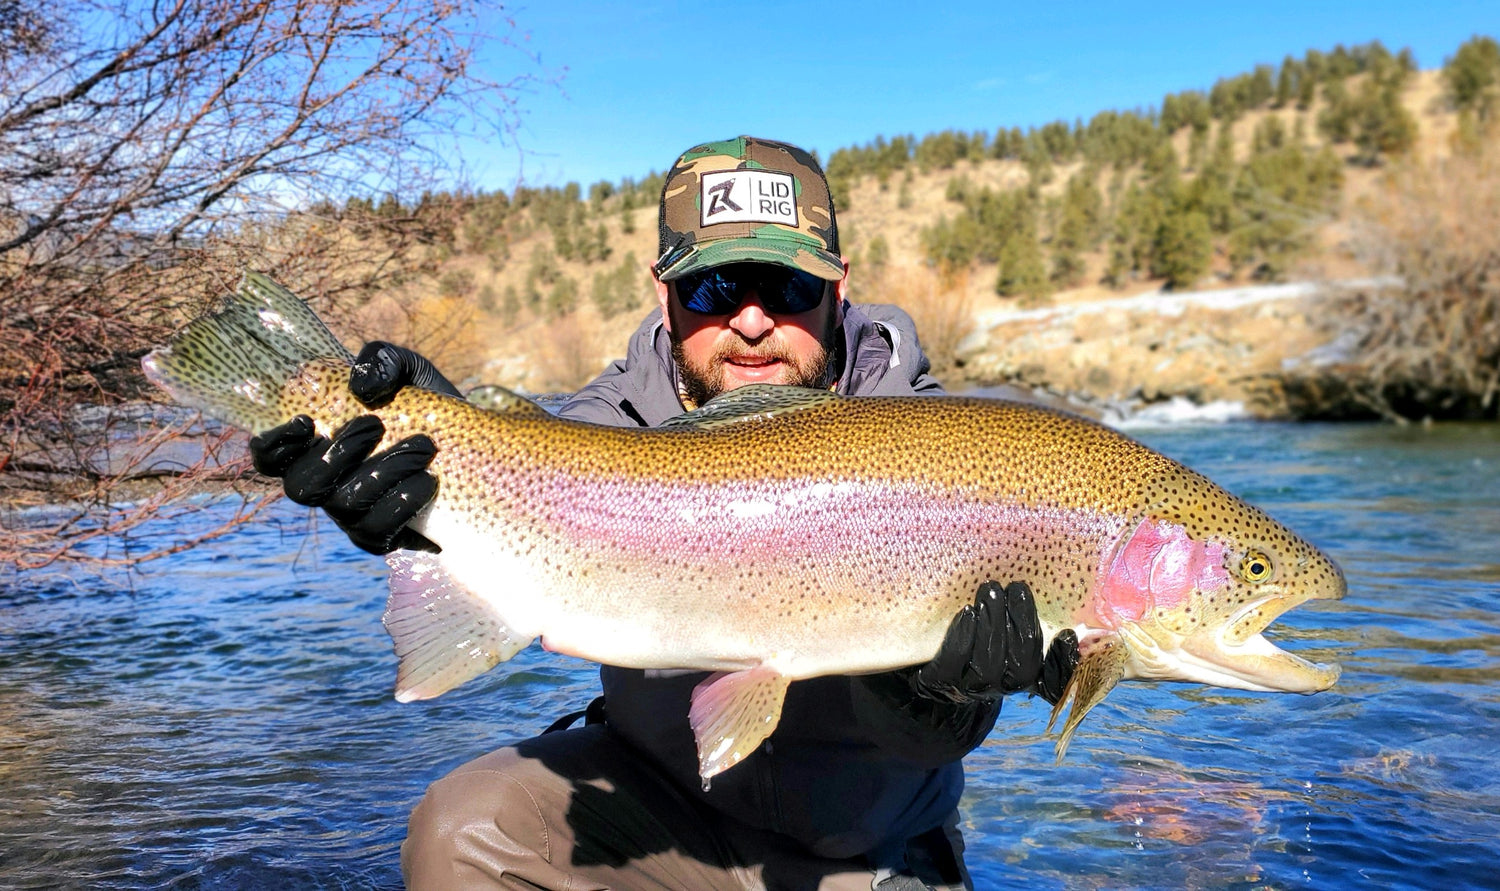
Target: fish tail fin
(234,363)
(1097,673)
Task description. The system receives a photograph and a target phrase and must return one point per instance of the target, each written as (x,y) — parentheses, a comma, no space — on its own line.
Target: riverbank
(1236,352)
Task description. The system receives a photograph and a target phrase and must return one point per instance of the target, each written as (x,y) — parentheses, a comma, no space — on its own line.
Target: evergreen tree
(1287,82)
(1382,125)
(1080,219)
(1133,235)
(1022,270)
(1278,195)
(1336,120)
(1307,91)
(1471,75)
(627,212)
(1184,247)
(877,255)
(562,298)
(1211,192)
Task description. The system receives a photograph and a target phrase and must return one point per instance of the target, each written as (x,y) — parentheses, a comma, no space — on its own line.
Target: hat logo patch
(749,196)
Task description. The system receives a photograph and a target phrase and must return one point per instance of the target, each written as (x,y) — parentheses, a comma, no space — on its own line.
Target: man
(858,786)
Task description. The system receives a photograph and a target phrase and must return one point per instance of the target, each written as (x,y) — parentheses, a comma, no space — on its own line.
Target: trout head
(1185,592)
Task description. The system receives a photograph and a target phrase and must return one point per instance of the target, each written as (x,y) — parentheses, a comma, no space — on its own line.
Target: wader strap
(594,714)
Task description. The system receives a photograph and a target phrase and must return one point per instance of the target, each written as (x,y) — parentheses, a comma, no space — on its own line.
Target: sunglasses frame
(773,302)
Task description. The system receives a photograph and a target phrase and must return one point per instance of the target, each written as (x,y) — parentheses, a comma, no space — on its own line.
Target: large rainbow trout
(778,533)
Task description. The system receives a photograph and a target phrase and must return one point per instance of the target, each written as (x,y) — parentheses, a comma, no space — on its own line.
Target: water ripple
(224,718)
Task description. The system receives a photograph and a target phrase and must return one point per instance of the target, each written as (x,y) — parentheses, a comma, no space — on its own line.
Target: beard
(704,382)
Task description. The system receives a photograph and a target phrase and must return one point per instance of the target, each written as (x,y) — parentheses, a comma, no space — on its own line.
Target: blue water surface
(223,718)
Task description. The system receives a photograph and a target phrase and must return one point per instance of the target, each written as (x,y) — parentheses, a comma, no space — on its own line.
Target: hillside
(546,285)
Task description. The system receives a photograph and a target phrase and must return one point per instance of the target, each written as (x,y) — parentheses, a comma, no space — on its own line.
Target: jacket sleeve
(601,400)
(898,329)
(914,728)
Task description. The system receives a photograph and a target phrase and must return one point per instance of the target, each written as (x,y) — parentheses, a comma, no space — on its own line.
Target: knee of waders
(477,820)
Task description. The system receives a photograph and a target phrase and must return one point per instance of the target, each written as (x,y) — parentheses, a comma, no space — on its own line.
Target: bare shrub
(938,302)
(569,351)
(1430,345)
(149,152)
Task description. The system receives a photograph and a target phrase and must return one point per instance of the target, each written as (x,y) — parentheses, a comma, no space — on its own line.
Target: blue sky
(645,80)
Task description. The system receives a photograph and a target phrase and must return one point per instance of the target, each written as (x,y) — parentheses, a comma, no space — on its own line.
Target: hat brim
(796,254)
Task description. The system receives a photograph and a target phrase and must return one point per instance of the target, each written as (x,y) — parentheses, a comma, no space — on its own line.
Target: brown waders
(578,809)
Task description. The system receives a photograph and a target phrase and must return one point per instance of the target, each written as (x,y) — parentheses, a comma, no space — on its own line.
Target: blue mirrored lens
(721,290)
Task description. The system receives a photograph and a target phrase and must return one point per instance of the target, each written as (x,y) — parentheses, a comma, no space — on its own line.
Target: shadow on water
(224,719)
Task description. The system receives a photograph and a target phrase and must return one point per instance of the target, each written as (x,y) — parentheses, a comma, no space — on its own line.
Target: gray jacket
(855,765)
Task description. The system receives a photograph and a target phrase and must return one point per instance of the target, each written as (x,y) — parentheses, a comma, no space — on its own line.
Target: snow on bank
(1172,303)
(1175,412)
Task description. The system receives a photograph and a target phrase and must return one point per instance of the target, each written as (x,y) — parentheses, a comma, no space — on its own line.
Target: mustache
(771,350)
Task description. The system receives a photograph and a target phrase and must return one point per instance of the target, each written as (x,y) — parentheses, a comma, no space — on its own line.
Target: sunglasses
(721,290)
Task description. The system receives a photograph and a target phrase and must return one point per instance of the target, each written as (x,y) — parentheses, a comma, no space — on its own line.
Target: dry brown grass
(1431,345)
(941,305)
(568,352)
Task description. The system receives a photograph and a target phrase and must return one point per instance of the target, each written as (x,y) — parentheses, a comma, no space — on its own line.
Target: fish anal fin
(1097,673)
(444,634)
(732,713)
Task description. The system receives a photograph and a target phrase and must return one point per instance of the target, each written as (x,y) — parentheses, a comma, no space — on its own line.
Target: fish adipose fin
(1097,673)
(234,363)
(732,713)
(755,402)
(443,634)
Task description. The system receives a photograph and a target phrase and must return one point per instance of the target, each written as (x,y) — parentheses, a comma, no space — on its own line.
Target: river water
(223,718)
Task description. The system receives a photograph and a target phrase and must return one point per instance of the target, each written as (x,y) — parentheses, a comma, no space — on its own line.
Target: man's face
(717,353)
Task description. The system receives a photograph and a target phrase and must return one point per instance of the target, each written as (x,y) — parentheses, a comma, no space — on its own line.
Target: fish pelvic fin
(1097,673)
(443,633)
(234,363)
(732,713)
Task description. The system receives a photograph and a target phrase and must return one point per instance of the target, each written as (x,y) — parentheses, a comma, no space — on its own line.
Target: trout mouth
(1239,656)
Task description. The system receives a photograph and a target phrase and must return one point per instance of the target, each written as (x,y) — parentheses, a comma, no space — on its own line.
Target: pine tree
(1471,75)
(1184,247)
(1382,124)
(1336,120)
(1286,82)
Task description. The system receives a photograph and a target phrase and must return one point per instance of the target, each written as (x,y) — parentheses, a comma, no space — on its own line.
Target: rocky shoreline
(1238,348)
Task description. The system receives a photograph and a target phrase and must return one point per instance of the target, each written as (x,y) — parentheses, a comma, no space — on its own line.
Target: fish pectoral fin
(444,634)
(1097,673)
(732,713)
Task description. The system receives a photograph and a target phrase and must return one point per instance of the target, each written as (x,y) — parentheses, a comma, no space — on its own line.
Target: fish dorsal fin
(444,634)
(755,402)
(495,398)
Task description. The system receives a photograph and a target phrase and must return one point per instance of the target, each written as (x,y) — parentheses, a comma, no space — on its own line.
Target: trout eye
(1255,567)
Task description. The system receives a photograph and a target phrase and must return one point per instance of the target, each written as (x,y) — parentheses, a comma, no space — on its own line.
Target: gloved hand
(381,369)
(994,648)
(935,713)
(370,497)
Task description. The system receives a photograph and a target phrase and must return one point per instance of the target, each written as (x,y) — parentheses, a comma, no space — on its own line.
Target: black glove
(994,648)
(370,497)
(381,369)
(936,713)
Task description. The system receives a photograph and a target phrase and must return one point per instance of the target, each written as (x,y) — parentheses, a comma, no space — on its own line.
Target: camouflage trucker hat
(747,199)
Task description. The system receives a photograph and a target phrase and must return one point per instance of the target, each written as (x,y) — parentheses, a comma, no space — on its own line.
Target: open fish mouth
(1239,656)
